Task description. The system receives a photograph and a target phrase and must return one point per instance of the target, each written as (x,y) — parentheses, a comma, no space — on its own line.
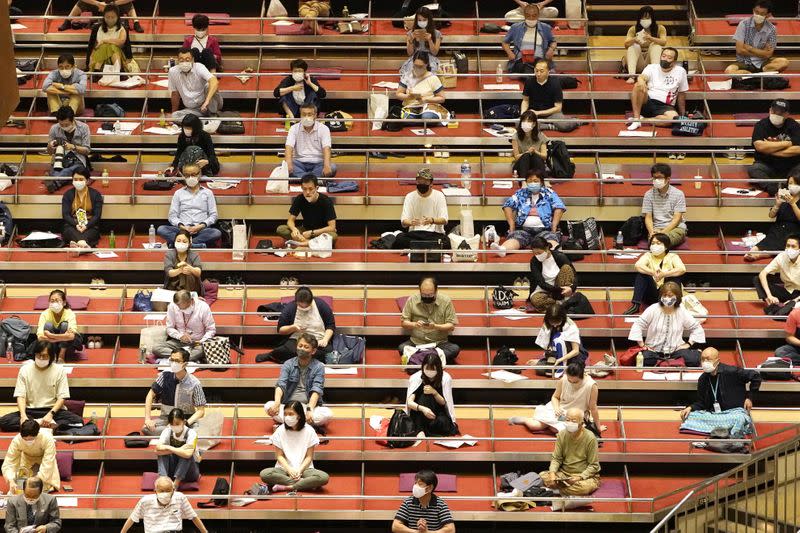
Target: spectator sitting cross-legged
(205,48)
(308,146)
(423,511)
(191,84)
(193,209)
(756,39)
(69,142)
(532,39)
(81,211)
(174,388)
(194,147)
(65,85)
(527,143)
(420,88)
(653,269)
(189,324)
(318,214)
(575,466)
(776,140)
(544,95)
(165,510)
(182,266)
(424,214)
(430,317)
(664,207)
(298,89)
(660,92)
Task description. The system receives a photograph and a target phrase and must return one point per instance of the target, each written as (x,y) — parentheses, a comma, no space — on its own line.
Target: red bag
(628,357)
(528,57)
(666,364)
(383,432)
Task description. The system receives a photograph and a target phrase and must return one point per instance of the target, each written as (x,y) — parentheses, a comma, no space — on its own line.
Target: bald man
(430,317)
(164,511)
(575,466)
(722,397)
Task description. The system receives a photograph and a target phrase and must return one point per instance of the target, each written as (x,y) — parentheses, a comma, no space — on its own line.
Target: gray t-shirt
(300,394)
(664,207)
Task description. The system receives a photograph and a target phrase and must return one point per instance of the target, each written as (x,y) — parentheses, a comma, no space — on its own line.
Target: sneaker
(673,155)
(518,282)
(138,27)
(490,235)
(682,155)
(66,25)
(635,125)
(740,153)
(526,282)
(284,283)
(293,282)
(632,310)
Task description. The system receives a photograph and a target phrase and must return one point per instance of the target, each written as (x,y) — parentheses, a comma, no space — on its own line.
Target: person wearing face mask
(791,350)
(786,213)
(205,47)
(109,43)
(194,147)
(33,511)
(431,317)
(81,211)
(528,143)
(644,43)
(182,266)
(653,269)
(534,210)
(664,207)
(174,388)
(294,442)
(66,85)
(423,36)
(424,214)
(546,10)
(192,85)
(575,466)
(317,211)
(544,95)
(659,330)
(553,277)
(96,7)
(422,92)
(660,92)
(193,209)
(165,510)
(298,89)
(34,451)
(776,140)
(429,399)
(308,146)
(302,379)
(723,399)
(423,511)
(70,139)
(756,38)
(305,315)
(178,455)
(778,284)
(57,324)
(189,325)
(574,390)
(559,336)
(531,40)
(40,392)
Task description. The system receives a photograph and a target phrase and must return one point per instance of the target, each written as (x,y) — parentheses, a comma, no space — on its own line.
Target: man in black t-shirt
(317,212)
(544,96)
(776,140)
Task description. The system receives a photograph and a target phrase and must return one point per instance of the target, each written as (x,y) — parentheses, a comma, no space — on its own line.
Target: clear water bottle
(749,233)
(112,240)
(618,242)
(151,236)
(499,73)
(9,352)
(466,174)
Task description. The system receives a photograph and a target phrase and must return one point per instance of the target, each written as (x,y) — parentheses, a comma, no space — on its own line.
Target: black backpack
(395,112)
(18,332)
(503,298)
(221,488)
(462,62)
(111,110)
(559,161)
(770,83)
(777,364)
(505,357)
(569,82)
(632,231)
(400,425)
(502,112)
(7,221)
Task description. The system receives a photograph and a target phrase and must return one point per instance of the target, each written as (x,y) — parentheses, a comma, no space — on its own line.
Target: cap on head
(425,173)
(780,105)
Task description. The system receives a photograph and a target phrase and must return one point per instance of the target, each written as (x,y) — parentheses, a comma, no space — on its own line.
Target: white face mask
(759,19)
(181,246)
(656,249)
(527,127)
(290,420)
(792,253)
(65,72)
(429,373)
(669,301)
(777,120)
(794,190)
(298,76)
(42,363)
(188,310)
(192,182)
(530,23)
(541,257)
(645,23)
(708,366)
(164,497)
(80,185)
(185,66)
(418,491)
(572,427)
(177,430)
(307,122)
(56,307)
(659,183)
(200,34)
(422,24)
(175,366)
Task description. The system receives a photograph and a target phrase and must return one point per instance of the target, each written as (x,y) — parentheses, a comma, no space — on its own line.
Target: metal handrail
(672,511)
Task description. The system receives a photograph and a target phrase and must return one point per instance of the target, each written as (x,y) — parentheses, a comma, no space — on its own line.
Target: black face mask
(428,299)
(423,188)
(666,64)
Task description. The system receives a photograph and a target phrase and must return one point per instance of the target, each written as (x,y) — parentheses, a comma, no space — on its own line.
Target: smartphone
(67,488)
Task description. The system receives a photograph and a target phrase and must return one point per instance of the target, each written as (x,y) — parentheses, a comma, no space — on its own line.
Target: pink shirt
(199,324)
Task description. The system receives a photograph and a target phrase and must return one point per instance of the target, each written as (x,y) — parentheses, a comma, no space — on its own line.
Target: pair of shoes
(98,283)
(138,27)
(284,283)
(95,343)
(739,153)
(490,235)
(292,282)
(677,155)
(632,310)
(525,282)
(517,282)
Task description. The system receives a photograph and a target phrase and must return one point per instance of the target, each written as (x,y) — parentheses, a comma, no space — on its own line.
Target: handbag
(549,360)
(135,439)
(321,246)
(378,109)
(503,298)
(693,305)
(689,126)
(276,9)
(217,351)
(278,181)
(447,74)
(628,357)
(141,301)
(463,248)
(221,488)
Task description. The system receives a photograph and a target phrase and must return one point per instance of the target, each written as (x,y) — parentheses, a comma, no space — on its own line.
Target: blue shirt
(516,34)
(290,376)
(547,202)
(78,79)
(189,208)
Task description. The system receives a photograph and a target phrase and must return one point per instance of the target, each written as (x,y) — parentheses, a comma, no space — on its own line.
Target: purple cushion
(294,29)
(214,19)
(75,406)
(447,482)
(64,463)
(736,247)
(401,302)
(611,488)
(326,73)
(149,483)
(327,299)
(77,356)
(741,117)
(76,303)
(643,245)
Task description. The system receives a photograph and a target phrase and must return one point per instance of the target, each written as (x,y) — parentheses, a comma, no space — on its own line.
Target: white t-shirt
(665,86)
(295,444)
(189,435)
(419,207)
(533,221)
(569,333)
(200,44)
(191,86)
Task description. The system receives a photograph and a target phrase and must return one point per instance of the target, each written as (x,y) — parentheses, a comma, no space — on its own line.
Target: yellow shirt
(41,451)
(41,388)
(788,271)
(67,315)
(669,262)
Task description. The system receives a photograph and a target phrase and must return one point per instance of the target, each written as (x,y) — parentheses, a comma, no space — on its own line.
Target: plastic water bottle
(618,242)
(112,240)
(162,120)
(104,177)
(749,234)
(117,128)
(466,174)
(499,73)
(515,175)
(151,236)
(9,352)
(640,361)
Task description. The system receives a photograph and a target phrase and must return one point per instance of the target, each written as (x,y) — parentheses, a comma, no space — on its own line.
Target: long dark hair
(554,313)
(109,9)
(192,121)
(300,411)
(647,10)
(425,13)
(528,116)
(432,360)
(61,293)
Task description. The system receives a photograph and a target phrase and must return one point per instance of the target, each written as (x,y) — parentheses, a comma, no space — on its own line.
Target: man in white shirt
(193,85)
(163,511)
(308,146)
(660,92)
(189,325)
(424,213)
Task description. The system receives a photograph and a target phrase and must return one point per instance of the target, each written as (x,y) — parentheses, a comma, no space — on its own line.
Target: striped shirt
(159,518)
(766,37)
(186,394)
(309,146)
(436,514)
(664,206)
(663,332)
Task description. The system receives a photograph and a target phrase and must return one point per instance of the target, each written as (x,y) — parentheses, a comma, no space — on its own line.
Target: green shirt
(439,312)
(576,455)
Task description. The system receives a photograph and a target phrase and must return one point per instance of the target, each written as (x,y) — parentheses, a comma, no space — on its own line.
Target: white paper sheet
(40,236)
(456,191)
(466,441)
(495,133)
(393,85)
(505,376)
(125,128)
(637,133)
(610,176)
(130,83)
(631,319)
(375,422)
(501,87)
(67,501)
(423,131)
(169,130)
(162,295)
(161,83)
(267,440)
(18,26)
(68,370)
(349,371)
(283,23)
(502,184)
(736,191)
(512,314)
(222,185)
(720,85)
(653,376)
(241,502)
(153,317)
